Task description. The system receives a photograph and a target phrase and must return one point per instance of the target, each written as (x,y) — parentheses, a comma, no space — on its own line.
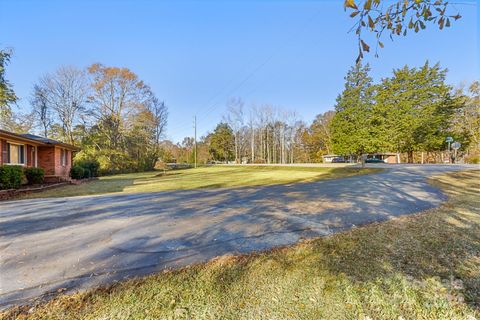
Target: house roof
(42,141)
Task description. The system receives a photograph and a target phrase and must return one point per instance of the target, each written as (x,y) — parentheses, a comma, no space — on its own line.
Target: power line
(252,73)
(265,62)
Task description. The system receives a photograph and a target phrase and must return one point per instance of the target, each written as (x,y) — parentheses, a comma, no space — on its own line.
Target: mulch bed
(13,193)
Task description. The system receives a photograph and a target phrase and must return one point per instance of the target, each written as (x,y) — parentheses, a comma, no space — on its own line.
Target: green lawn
(425,266)
(205,177)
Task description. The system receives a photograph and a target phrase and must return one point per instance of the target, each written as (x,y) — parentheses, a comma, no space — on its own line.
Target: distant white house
(328,158)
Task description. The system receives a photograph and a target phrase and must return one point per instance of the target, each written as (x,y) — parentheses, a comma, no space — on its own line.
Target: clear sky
(198,54)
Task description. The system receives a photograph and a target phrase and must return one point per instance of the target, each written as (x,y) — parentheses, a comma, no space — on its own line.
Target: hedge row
(12,177)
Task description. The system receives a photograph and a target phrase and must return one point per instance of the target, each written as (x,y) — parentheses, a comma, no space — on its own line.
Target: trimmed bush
(77,172)
(91,165)
(11,177)
(34,175)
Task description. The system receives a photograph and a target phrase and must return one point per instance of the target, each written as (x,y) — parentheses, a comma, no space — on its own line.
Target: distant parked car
(374,160)
(338,160)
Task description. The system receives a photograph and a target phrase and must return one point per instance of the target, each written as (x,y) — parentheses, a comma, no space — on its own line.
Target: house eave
(18,137)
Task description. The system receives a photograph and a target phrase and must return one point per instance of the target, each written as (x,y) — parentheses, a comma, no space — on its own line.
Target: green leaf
(353,14)
(380,44)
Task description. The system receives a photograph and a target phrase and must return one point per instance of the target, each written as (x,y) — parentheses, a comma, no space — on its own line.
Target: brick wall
(49,158)
(1,151)
(62,170)
(46,160)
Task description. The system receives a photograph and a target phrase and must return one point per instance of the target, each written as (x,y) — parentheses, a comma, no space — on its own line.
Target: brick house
(28,150)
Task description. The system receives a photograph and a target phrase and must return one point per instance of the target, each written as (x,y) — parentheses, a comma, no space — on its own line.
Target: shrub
(87,173)
(11,177)
(473,159)
(91,165)
(34,175)
(77,172)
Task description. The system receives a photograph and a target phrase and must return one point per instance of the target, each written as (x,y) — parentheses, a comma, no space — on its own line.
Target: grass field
(205,177)
(425,266)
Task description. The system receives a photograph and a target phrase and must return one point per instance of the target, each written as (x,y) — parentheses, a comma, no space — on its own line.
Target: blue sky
(198,54)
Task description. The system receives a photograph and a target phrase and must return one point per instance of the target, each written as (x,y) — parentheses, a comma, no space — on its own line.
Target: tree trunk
(410,156)
(253,145)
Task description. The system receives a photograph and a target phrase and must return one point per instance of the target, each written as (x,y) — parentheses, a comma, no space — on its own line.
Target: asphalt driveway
(74,243)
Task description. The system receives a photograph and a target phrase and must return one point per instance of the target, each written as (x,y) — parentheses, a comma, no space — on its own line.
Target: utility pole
(449,140)
(195,141)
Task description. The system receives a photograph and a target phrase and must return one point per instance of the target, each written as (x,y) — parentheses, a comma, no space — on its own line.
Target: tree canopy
(352,130)
(222,143)
(410,111)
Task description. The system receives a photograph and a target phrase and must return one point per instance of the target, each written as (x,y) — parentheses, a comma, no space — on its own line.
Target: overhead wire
(213,106)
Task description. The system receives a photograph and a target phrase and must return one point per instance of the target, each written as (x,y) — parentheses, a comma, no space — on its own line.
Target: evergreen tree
(352,126)
(222,143)
(415,107)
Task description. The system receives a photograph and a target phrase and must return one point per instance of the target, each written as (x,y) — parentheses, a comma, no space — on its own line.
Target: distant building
(328,158)
(335,158)
(387,157)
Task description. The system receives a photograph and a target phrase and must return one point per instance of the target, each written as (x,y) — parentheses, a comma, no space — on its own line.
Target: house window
(16,153)
(63,157)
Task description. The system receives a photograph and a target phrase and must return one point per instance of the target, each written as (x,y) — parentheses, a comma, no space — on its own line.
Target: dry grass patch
(425,266)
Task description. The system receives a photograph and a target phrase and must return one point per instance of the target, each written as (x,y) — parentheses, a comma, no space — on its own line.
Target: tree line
(413,110)
(255,134)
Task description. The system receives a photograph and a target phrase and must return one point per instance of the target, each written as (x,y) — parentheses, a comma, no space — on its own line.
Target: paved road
(80,242)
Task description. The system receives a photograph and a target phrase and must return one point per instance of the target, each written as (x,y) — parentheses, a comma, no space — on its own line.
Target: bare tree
(159,113)
(117,94)
(251,122)
(64,92)
(235,119)
(41,109)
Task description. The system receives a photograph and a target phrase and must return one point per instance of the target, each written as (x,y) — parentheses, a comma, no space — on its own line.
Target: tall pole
(449,153)
(195,141)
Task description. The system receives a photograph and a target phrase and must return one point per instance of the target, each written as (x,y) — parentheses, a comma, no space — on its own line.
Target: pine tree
(222,143)
(352,130)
